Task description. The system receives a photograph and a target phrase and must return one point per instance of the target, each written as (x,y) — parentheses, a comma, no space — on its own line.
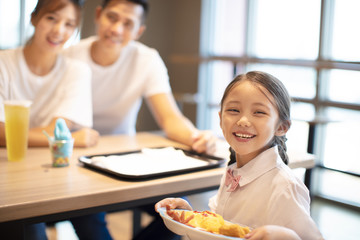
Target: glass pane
(215,122)
(297,137)
(343,187)
(344,86)
(302,111)
(340,114)
(342,141)
(222,74)
(299,81)
(286,29)
(346,37)
(9,24)
(229,32)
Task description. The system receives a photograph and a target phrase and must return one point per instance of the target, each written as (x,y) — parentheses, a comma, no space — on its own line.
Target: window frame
(321,65)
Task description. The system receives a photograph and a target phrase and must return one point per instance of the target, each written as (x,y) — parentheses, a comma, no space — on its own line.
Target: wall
(173,28)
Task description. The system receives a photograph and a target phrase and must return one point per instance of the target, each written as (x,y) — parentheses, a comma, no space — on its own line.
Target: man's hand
(204,142)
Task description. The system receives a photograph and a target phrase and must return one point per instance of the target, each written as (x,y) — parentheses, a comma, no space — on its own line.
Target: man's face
(118,24)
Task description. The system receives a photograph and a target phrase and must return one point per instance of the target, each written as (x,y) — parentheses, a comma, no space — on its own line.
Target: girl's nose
(243,122)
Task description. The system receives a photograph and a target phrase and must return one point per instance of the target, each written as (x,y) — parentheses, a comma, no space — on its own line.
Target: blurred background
(310,45)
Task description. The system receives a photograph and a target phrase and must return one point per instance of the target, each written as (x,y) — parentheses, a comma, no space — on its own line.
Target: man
(125,71)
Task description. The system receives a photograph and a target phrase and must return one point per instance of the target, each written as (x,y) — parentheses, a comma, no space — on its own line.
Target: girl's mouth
(243,135)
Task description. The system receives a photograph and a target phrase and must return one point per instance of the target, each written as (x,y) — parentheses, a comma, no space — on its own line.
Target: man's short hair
(142,3)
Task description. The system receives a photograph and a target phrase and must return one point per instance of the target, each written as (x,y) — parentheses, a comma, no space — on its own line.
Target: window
(9,37)
(280,30)
(15,27)
(312,46)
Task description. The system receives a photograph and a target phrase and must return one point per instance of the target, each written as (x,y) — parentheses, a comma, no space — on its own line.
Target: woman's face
(53,29)
(249,120)
(118,24)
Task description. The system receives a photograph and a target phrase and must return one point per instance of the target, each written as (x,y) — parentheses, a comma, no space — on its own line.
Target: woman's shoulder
(83,43)
(73,67)
(72,62)
(80,48)
(11,61)
(10,54)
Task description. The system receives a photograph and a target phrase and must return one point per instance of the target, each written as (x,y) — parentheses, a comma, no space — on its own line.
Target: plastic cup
(61,152)
(17,114)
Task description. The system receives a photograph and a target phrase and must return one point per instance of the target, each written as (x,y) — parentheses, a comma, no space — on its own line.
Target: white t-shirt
(64,92)
(268,193)
(118,89)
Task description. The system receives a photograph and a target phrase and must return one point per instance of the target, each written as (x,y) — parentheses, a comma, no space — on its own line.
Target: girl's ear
(283,128)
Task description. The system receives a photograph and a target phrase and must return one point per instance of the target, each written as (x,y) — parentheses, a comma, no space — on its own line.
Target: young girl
(258,188)
(56,85)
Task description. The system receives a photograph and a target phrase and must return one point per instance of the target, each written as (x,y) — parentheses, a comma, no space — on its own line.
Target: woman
(57,86)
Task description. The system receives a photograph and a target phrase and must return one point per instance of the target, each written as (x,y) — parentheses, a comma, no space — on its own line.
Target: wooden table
(33,191)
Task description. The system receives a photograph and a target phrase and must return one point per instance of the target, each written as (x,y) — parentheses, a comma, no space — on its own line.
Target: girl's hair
(46,6)
(282,103)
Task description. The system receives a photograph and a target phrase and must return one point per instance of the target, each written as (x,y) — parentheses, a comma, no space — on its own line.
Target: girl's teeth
(243,135)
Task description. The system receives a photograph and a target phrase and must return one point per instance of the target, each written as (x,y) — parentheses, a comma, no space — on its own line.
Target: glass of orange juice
(17,114)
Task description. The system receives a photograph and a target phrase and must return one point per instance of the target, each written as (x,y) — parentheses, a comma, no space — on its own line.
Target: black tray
(110,164)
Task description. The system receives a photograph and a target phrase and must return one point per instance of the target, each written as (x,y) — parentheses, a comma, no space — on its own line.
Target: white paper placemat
(148,161)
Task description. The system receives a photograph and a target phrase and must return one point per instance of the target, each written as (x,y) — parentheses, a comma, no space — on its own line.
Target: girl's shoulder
(287,179)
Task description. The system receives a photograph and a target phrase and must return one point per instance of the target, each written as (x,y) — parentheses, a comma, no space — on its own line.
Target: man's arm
(176,126)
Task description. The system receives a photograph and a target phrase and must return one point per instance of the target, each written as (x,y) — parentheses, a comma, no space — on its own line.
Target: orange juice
(16,128)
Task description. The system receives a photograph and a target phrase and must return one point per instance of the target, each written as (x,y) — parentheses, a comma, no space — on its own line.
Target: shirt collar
(258,166)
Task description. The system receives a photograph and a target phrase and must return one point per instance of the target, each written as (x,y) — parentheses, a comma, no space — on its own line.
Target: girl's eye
(233,110)
(260,112)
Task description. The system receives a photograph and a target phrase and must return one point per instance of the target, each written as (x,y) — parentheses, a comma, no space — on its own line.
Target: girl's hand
(173,203)
(272,232)
(204,142)
(85,137)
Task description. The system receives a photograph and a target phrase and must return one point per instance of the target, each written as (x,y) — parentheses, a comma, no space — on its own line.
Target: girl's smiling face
(249,120)
(53,29)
